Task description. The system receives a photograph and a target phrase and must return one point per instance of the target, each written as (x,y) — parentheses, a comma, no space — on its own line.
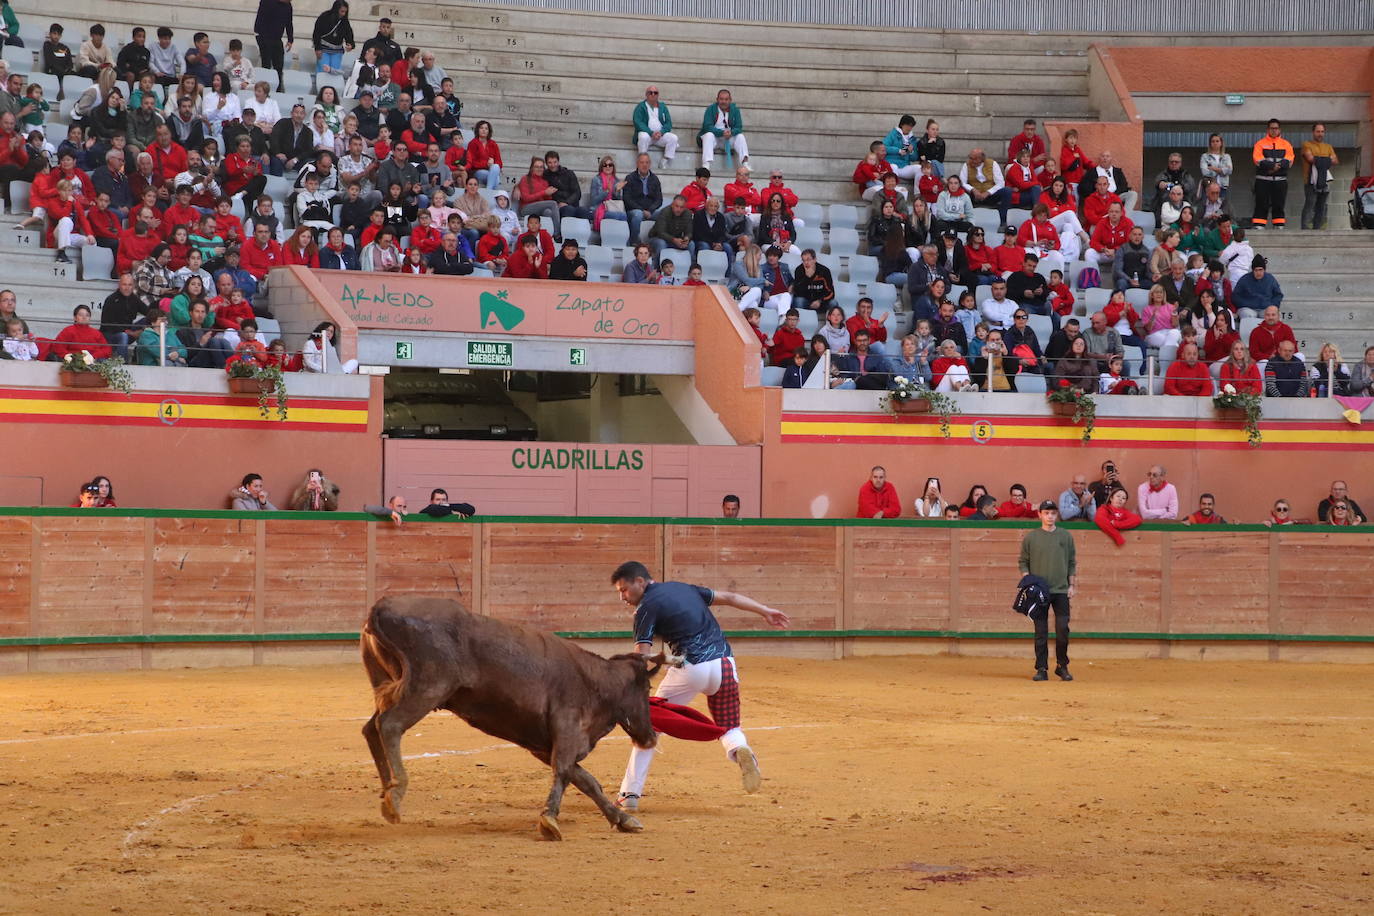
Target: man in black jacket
(1031,290)
(567,191)
(272,23)
(122,307)
(569,265)
(920,274)
(642,195)
(398,118)
(369,115)
(111,179)
(449,258)
(1116,182)
(291,142)
(388,52)
(133,58)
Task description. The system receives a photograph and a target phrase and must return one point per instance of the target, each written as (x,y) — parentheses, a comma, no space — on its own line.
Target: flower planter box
(1236,414)
(911,405)
(1063,408)
(82,380)
(251,386)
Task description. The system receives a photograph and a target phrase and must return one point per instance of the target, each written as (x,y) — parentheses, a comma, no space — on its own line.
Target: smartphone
(315,476)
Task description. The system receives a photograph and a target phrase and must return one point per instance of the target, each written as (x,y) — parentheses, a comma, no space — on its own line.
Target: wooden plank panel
(557,577)
(203,575)
(16,574)
(1220,582)
(1325,585)
(92,576)
(315,577)
(899,579)
(988,577)
(1118,587)
(792,569)
(425,560)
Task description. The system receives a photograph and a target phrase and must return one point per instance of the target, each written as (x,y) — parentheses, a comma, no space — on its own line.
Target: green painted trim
(1178,528)
(185,638)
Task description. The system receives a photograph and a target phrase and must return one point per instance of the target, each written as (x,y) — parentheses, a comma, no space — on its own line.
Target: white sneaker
(749,770)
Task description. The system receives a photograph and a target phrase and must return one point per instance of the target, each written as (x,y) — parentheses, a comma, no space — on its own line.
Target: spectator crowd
(1103,501)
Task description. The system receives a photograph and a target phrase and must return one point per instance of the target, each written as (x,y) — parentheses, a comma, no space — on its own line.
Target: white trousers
(911,170)
(708,148)
(681,685)
(1165,338)
(782,301)
(65,236)
(667,141)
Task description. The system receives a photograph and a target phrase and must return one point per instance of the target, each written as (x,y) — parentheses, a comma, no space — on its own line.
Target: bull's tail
(386,665)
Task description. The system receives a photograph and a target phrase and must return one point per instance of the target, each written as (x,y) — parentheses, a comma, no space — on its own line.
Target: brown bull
(538,691)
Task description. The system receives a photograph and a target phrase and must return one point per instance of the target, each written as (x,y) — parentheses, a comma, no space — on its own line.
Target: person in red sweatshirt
(1108,235)
(1265,338)
(67,224)
(42,191)
(1061,296)
(697,193)
(775,186)
(1023,179)
(492,248)
(231,315)
(1187,375)
(104,222)
(230,226)
(424,236)
(169,157)
(1098,205)
(79,335)
(1008,257)
(1114,517)
(182,213)
(877,497)
(1018,506)
(929,185)
(262,254)
(786,338)
(15,164)
(1206,513)
(868,174)
(135,244)
(742,187)
(301,249)
(527,261)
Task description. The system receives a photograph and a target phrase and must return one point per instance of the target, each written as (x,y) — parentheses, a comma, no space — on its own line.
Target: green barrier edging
(184,638)
(416,518)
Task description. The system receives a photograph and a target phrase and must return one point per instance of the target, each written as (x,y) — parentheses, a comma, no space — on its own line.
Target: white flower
(1229,389)
(900,380)
(86,355)
(67,358)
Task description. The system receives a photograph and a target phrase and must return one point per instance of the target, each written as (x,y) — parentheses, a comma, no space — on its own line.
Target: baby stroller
(1362,204)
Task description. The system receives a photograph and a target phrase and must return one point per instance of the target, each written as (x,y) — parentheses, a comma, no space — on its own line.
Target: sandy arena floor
(896,785)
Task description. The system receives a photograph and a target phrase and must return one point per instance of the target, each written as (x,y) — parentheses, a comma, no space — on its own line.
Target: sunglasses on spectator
(653,92)
(1340,508)
(774,177)
(1280,508)
(1019,317)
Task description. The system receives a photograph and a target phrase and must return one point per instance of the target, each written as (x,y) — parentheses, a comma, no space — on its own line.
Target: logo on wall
(982,432)
(495,309)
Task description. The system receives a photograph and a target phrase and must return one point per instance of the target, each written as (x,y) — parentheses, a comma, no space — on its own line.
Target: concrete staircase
(1328,286)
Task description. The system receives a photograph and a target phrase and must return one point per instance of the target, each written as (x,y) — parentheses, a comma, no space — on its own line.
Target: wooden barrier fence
(158,588)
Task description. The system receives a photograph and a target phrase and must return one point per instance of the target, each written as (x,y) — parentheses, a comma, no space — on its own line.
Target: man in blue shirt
(680,615)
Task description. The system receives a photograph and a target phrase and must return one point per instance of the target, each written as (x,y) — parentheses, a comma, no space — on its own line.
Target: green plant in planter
(905,389)
(272,385)
(1085,408)
(112,369)
(1252,404)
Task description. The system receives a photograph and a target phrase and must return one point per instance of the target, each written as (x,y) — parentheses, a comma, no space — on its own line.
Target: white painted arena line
(178,728)
(140,831)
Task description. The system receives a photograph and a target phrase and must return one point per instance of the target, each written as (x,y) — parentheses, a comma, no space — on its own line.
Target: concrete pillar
(605,412)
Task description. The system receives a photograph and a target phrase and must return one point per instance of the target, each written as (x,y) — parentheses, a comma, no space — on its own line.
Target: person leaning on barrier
(395,509)
(440,507)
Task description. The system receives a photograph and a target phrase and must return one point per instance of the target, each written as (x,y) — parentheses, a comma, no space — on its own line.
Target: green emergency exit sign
(577,356)
(405,349)
(490,353)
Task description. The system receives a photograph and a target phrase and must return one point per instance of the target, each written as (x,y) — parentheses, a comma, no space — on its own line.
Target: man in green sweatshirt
(1048,552)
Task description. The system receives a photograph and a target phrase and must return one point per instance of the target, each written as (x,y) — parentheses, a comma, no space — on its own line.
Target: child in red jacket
(929,185)
(1115,518)
(424,236)
(1061,297)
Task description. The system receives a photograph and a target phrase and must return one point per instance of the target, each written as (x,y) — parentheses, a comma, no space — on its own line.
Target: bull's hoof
(628,823)
(548,827)
(391,807)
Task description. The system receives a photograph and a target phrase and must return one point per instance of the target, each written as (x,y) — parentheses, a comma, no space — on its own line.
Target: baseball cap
(1048,504)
